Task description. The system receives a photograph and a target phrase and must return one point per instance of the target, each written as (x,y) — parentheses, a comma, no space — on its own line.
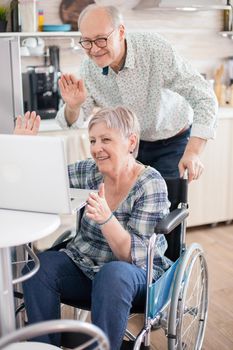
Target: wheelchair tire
(189,302)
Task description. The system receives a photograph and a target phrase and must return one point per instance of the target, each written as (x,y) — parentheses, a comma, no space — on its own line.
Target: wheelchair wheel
(189,302)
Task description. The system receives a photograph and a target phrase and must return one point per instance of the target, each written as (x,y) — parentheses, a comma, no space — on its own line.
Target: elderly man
(176,107)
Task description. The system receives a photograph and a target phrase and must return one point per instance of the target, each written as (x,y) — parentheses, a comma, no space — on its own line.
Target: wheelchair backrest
(177,193)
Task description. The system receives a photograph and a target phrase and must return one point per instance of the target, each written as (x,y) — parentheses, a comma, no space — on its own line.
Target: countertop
(225,112)
(49,125)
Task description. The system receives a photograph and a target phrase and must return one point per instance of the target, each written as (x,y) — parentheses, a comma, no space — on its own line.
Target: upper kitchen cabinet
(185,4)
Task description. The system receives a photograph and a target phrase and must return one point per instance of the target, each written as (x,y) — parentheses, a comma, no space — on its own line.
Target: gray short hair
(120,118)
(114,14)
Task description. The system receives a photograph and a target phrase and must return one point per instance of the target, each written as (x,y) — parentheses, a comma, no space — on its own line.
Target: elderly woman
(105,262)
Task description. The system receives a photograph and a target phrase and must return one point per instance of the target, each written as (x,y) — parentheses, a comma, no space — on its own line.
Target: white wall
(194,34)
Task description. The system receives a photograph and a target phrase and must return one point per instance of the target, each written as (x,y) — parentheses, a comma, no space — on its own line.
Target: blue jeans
(164,155)
(115,288)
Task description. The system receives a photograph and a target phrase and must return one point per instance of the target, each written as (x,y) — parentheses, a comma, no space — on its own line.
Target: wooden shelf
(39,34)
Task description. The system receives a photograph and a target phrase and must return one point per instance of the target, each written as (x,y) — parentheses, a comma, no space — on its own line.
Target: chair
(178,301)
(88,335)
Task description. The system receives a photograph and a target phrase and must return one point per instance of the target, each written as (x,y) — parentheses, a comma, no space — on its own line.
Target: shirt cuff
(203,131)
(60,117)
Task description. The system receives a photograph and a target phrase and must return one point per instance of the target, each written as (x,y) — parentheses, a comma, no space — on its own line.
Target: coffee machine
(40,86)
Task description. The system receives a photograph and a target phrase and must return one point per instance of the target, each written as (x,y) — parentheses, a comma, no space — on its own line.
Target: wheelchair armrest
(65,236)
(171,221)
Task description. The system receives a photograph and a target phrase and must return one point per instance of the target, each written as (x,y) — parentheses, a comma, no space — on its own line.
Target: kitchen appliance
(40,91)
(34,45)
(11,99)
(40,86)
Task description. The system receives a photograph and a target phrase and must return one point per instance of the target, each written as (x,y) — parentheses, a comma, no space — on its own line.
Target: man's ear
(122,32)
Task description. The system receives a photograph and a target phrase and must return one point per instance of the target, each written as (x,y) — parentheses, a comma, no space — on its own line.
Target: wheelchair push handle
(185,175)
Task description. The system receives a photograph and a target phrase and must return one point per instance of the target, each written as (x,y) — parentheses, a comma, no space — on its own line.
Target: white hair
(114,14)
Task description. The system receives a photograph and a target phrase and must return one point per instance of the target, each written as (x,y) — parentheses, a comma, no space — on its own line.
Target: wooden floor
(218,245)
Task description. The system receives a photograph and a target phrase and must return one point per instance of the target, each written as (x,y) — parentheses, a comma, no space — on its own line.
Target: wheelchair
(178,301)
(87,334)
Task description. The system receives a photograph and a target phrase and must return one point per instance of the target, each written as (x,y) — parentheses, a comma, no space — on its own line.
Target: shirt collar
(130,56)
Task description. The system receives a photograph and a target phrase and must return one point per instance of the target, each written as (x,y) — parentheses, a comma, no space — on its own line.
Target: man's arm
(71,115)
(180,77)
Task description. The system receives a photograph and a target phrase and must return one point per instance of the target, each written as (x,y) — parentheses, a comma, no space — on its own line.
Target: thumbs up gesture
(97,208)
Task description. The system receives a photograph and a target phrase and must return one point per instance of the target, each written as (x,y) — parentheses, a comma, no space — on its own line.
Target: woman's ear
(132,142)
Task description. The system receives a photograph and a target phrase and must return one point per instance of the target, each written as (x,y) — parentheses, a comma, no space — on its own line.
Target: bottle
(28,18)
(14,16)
(40,20)
(227,17)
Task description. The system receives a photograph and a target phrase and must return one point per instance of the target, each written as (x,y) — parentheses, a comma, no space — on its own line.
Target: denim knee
(117,279)
(112,274)
(31,264)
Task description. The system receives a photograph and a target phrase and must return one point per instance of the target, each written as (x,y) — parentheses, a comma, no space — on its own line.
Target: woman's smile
(102,158)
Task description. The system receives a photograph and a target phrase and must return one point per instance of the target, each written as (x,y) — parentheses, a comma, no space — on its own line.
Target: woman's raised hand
(72,91)
(97,208)
(27,125)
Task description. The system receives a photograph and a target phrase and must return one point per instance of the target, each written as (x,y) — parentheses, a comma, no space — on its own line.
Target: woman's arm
(130,243)
(117,237)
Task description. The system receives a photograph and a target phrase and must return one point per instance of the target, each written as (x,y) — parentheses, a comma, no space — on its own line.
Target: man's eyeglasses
(99,42)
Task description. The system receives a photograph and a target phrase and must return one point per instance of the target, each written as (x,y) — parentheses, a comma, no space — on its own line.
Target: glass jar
(28,17)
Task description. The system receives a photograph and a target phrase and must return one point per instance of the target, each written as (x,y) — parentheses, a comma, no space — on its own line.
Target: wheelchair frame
(183,324)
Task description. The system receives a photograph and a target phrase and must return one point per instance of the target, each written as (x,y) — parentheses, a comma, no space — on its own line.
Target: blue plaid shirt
(145,204)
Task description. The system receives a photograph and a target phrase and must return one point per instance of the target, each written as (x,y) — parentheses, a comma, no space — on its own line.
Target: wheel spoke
(191,309)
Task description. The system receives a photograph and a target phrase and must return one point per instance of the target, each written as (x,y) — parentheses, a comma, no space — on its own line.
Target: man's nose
(94,48)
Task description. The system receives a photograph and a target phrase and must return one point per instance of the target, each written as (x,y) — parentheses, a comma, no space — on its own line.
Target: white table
(17,228)
(31,346)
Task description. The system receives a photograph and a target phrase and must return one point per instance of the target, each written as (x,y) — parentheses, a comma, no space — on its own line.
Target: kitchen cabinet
(211,197)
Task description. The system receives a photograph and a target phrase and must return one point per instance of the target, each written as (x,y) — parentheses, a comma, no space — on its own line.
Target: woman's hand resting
(27,125)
